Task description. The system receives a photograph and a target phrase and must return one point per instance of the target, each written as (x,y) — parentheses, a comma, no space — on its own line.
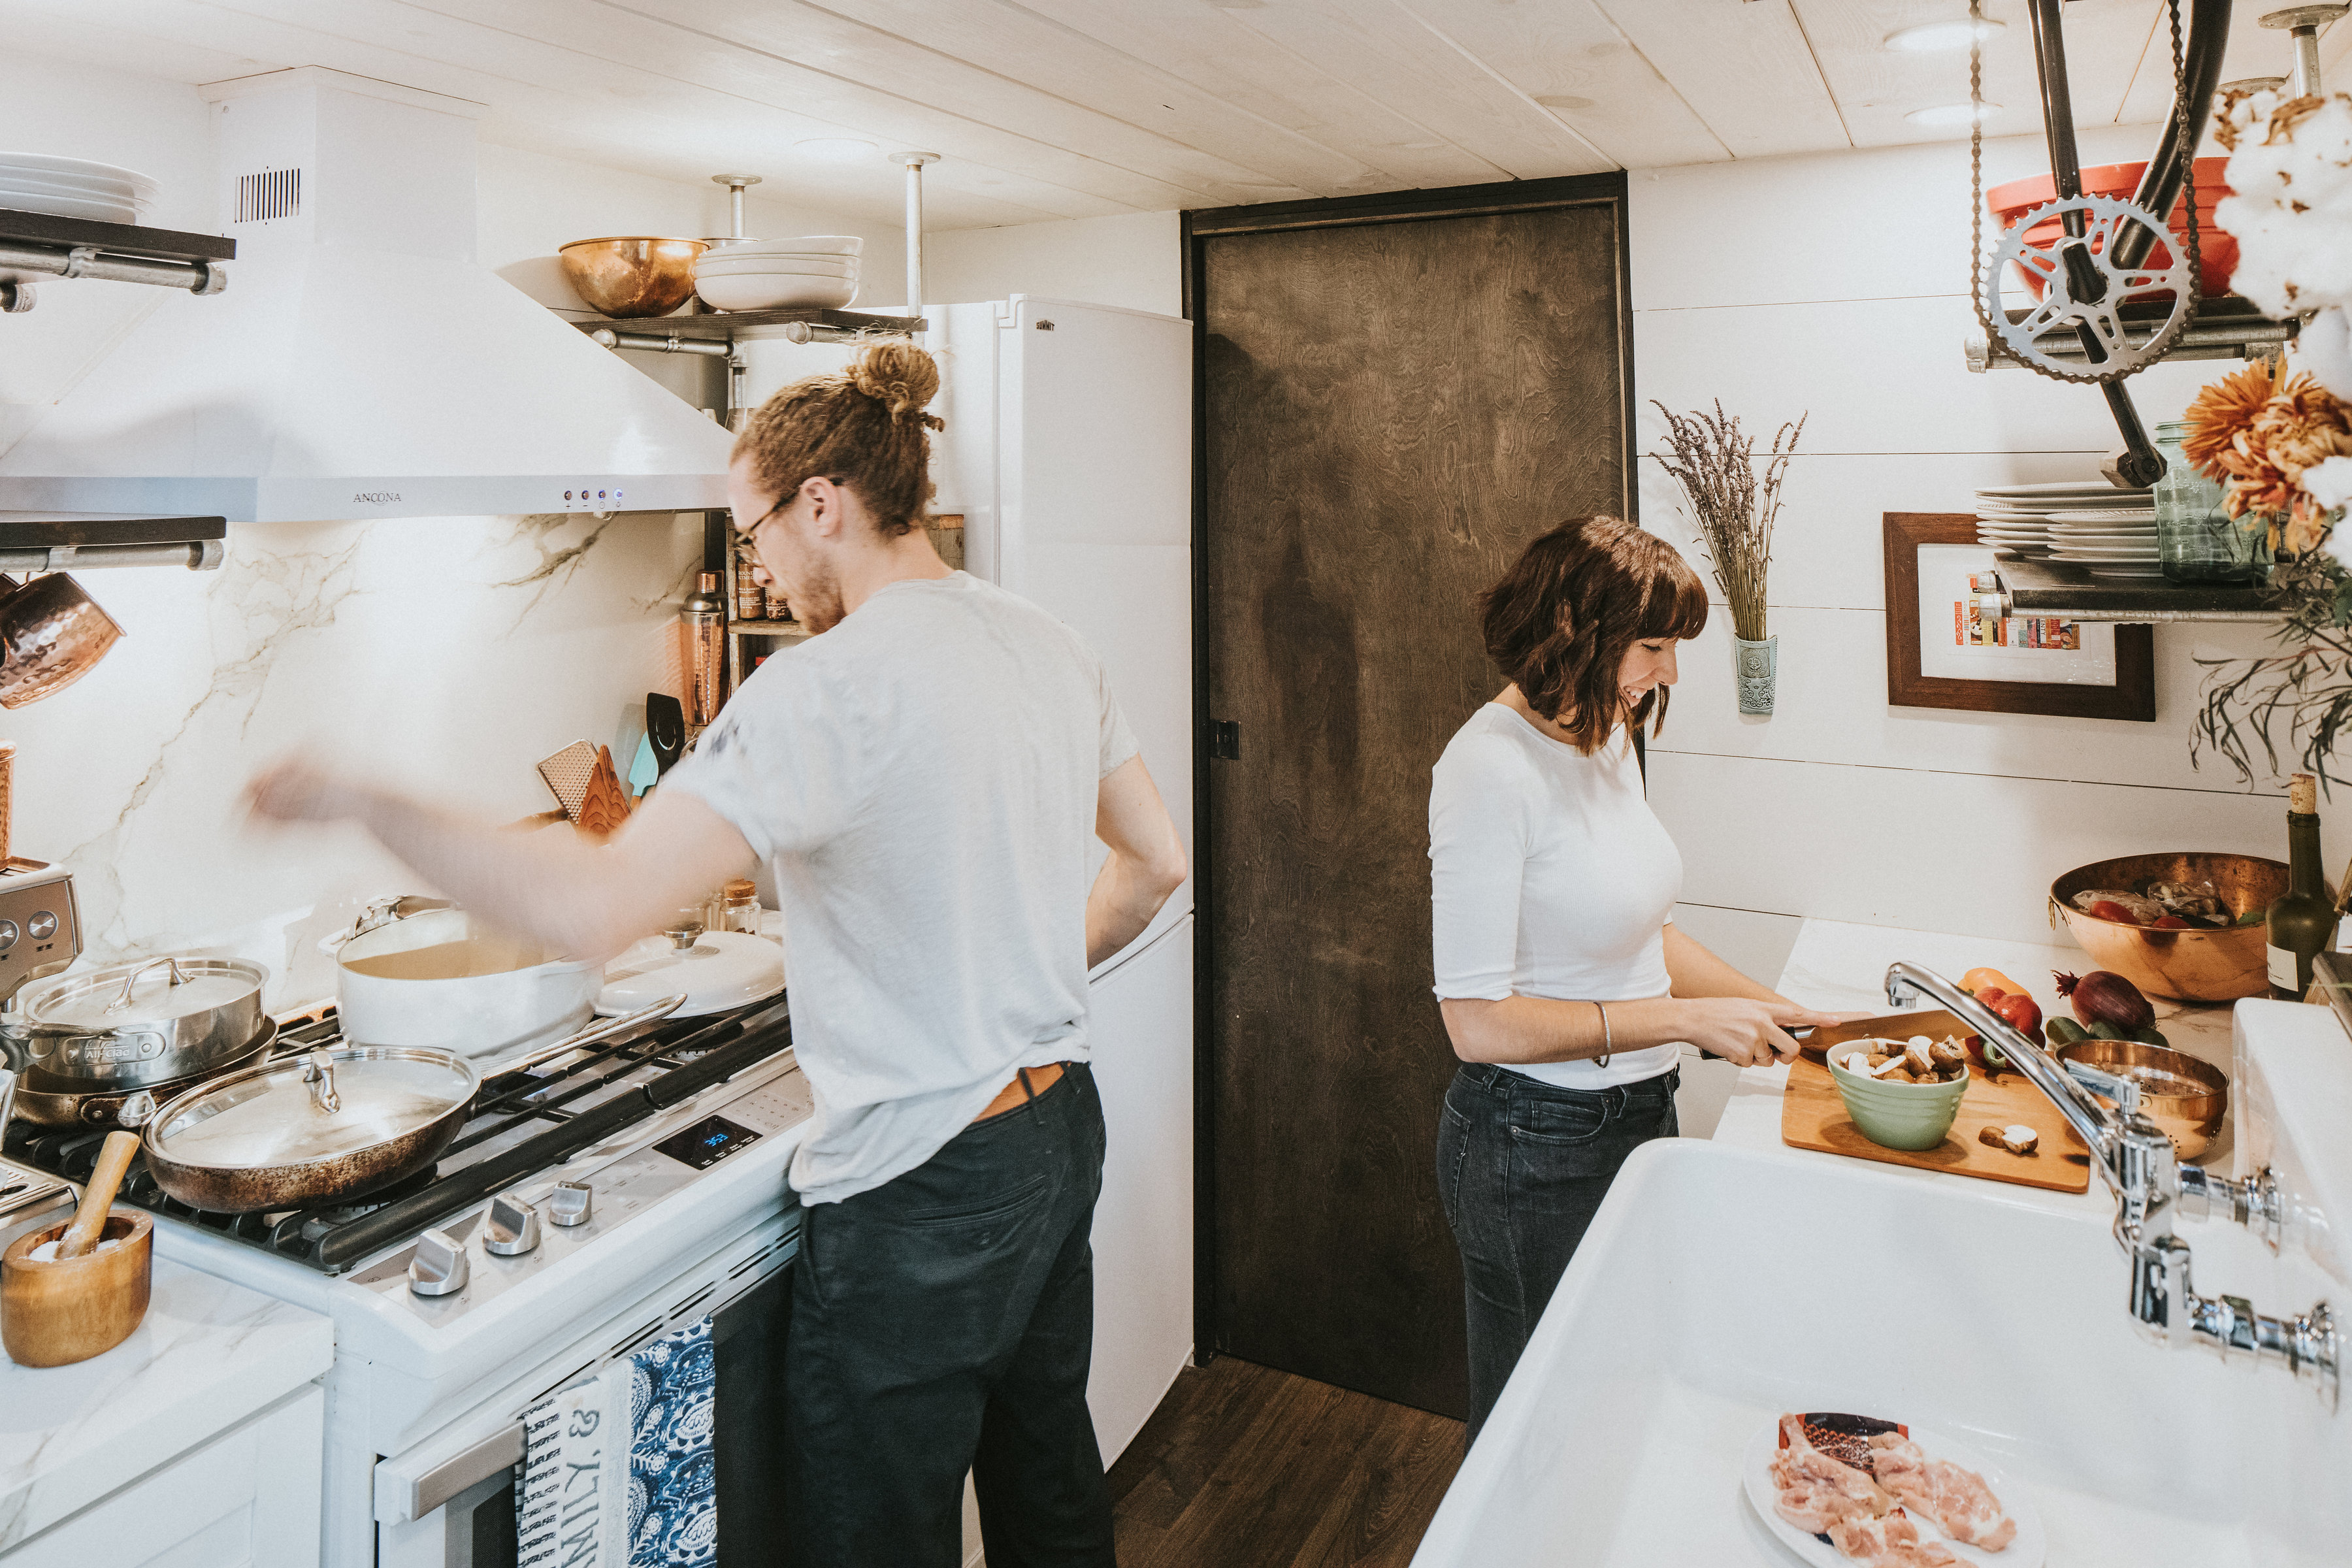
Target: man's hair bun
(899,376)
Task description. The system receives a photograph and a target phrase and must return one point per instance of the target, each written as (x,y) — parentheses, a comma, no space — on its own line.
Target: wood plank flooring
(1244,1467)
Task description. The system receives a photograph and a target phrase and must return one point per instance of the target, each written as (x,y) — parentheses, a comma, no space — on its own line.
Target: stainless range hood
(359,364)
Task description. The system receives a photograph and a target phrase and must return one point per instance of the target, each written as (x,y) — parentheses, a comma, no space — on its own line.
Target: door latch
(1226,739)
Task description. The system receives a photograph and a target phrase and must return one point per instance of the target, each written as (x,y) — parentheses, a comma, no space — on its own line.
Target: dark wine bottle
(2302,923)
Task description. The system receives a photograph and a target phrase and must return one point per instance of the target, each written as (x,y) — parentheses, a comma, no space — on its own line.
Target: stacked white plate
(74,188)
(2024,518)
(2107,541)
(813,272)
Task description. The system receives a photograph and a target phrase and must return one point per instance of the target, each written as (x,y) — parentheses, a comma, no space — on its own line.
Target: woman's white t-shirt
(1549,876)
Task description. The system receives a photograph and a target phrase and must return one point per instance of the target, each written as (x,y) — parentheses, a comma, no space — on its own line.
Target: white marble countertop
(1843,968)
(208,1354)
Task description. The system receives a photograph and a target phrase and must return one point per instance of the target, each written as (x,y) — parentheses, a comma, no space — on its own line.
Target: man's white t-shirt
(1549,876)
(923,779)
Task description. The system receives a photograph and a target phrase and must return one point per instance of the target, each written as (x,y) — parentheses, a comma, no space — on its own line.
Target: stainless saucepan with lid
(48,1101)
(135,1025)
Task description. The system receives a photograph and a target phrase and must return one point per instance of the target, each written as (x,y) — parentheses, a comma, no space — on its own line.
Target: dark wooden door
(1393,409)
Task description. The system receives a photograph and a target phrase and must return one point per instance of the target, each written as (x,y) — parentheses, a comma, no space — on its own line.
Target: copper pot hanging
(51,635)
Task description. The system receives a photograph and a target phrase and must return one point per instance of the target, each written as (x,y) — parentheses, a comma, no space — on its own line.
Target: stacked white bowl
(74,188)
(813,272)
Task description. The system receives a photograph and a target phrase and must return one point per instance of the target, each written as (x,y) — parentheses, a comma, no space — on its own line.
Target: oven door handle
(402,1495)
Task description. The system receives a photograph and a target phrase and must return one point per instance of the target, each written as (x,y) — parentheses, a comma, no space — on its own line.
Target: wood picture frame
(2132,697)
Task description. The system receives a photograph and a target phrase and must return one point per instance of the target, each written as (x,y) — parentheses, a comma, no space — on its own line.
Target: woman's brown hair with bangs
(1562,618)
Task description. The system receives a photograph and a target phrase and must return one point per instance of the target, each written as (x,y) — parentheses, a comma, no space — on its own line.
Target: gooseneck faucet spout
(2136,1159)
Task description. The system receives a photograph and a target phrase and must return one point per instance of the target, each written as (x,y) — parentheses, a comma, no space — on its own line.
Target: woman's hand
(1742,1030)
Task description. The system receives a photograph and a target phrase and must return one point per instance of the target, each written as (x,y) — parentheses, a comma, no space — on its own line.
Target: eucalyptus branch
(1715,461)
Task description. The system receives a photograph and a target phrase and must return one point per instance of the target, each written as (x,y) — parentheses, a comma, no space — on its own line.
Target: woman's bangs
(1674,602)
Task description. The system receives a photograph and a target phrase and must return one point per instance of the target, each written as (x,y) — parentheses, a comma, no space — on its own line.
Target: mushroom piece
(2017,1138)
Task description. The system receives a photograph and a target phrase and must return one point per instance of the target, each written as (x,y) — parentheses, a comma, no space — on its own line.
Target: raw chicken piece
(1956,1500)
(1890,1542)
(1918,1554)
(1817,1493)
(1801,1458)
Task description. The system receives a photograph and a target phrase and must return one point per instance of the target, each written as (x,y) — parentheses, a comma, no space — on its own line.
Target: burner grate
(524,1124)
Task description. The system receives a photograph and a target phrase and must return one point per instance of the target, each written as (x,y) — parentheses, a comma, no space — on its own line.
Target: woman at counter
(1566,989)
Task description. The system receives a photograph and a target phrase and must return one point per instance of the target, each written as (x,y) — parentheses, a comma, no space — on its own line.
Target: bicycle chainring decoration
(2105,221)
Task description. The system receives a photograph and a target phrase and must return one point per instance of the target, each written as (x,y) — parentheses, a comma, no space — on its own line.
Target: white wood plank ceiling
(1049,108)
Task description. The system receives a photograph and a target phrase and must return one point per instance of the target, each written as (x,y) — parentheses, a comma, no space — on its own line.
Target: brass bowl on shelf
(2192,1119)
(2191,963)
(638,275)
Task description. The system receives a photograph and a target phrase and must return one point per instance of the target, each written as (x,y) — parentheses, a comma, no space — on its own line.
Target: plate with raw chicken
(1848,1490)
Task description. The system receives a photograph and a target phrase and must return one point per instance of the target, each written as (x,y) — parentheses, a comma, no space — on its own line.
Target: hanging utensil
(51,635)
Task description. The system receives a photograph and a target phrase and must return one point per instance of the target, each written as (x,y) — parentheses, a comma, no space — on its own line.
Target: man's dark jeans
(944,1322)
(1521,1168)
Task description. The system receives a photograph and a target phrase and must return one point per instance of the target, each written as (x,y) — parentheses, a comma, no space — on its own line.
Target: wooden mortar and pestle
(85,1295)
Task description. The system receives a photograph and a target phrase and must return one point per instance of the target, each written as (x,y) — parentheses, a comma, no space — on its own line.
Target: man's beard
(817,600)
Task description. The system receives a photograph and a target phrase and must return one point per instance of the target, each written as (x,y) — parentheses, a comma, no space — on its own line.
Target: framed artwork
(1939,655)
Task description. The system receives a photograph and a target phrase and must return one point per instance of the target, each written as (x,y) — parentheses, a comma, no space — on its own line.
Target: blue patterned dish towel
(620,1470)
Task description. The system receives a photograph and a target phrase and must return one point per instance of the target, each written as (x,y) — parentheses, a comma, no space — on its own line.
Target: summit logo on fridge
(376,498)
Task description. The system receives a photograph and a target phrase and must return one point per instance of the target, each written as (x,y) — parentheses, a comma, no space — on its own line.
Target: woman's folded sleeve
(1479,817)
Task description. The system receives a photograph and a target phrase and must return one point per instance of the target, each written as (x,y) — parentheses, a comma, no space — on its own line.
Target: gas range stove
(530,1133)
(670,1145)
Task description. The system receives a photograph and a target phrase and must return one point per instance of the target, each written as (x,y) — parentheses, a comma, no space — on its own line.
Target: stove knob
(439,1267)
(513,1227)
(571,1204)
(42,926)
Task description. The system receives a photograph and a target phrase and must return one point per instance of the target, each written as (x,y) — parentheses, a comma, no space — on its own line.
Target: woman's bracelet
(1608,1041)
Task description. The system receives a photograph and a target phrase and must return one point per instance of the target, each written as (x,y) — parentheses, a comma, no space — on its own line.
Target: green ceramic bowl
(1896,1115)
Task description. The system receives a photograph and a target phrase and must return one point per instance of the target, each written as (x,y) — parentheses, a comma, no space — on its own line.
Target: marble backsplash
(443,656)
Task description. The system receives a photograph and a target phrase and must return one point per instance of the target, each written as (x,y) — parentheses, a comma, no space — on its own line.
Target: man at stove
(925,781)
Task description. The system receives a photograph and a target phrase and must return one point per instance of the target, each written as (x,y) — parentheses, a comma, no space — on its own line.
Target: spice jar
(777,609)
(750,599)
(739,907)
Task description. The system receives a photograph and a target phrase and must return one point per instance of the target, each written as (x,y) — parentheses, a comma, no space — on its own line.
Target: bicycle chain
(2185,139)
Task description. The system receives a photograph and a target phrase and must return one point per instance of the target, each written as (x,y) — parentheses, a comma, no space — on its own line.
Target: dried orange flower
(2221,412)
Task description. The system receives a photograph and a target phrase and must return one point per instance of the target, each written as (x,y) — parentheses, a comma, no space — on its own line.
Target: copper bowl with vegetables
(2187,925)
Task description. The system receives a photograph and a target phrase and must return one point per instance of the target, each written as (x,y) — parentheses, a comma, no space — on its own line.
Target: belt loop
(1031,1102)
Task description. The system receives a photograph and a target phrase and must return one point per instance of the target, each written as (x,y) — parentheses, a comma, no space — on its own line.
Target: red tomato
(2169,922)
(2108,909)
(2020,1014)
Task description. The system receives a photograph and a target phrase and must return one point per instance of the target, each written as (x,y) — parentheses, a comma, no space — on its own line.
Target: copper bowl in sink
(2190,964)
(638,276)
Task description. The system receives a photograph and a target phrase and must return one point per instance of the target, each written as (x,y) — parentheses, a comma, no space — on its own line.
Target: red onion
(2100,997)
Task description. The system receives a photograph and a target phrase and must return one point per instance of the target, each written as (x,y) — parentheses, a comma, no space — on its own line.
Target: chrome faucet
(2135,1157)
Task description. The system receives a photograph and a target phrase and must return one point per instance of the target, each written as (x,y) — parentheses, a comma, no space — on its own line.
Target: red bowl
(2217,252)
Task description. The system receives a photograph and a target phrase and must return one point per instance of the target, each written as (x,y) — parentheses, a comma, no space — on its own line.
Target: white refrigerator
(1068,450)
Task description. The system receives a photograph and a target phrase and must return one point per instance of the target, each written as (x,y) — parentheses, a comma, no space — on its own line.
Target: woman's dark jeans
(1521,1168)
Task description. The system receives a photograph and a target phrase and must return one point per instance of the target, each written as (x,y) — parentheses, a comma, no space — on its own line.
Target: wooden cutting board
(1813,1114)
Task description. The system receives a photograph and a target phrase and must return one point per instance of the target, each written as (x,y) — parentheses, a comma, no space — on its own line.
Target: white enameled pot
(435,980)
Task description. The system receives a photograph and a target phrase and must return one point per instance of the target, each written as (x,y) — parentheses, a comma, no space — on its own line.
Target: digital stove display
(706,1142)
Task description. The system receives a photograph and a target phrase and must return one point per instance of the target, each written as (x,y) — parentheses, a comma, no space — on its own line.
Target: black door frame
(1607,190)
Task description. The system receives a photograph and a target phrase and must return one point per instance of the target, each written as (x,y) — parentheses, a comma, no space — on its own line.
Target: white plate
(805,245)
(44,166)
(96,211)
(73,185)
(777,269)
(2095,488)
(2026,1551)
(2107,514)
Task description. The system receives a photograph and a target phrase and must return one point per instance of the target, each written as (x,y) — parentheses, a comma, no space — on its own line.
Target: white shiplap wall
(1836,284)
